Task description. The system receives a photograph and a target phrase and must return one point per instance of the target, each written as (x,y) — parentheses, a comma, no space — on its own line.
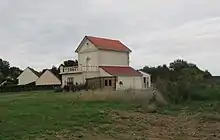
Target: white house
(48,78)
(104,63)
(28,76)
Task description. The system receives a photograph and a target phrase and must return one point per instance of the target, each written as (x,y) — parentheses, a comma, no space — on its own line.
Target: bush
(58,89)
(183,91)
(31,87)
(74,87)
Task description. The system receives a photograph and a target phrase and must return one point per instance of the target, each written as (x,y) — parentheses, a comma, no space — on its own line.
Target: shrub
(31,87)
(58,89)
(183,91)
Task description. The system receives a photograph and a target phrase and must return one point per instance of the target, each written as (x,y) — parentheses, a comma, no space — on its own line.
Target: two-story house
(104,63)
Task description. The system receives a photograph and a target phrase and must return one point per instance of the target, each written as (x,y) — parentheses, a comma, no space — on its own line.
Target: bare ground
(141,126)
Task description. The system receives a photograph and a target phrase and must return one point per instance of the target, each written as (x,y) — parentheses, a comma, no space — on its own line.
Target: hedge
(20,88)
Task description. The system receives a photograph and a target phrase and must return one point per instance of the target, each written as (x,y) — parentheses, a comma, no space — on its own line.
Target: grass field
(66,116)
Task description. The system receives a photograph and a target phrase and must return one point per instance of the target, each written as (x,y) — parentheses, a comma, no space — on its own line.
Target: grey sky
(42,33)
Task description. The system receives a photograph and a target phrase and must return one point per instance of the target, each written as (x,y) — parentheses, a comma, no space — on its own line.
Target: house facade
(28,76)
(103,63)
(48,78)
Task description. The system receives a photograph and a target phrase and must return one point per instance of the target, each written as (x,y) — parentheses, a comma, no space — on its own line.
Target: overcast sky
(42,33)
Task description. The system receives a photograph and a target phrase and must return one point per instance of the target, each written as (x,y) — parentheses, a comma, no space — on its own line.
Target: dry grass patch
(133,96)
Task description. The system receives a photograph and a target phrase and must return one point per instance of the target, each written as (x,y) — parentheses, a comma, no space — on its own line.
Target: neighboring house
(104,63)
(28,76)
(48,78)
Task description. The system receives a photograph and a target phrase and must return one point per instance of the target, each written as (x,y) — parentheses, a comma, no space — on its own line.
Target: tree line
(182,81)
(177,70)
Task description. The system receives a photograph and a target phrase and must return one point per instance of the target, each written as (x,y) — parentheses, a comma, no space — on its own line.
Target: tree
(55,71)
(156,72)
(178,64)
(207,74)
(4,67)
(69,63)
(14,72)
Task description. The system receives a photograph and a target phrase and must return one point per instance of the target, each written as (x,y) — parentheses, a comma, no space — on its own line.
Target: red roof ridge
(103,38)
(107,44)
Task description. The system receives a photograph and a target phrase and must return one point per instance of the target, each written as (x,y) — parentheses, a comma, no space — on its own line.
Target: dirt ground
(141,126)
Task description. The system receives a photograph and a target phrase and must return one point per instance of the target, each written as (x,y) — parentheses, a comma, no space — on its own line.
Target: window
(70,80)
(120,83)
(106,83)
(110,82)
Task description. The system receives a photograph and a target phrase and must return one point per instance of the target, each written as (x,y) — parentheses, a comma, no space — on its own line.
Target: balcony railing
(76,69)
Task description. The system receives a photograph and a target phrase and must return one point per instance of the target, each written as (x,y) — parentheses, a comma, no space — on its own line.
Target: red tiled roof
(120,71)
(108,44)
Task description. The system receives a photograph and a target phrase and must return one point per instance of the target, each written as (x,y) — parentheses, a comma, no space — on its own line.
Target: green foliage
(69,63)
(29,87)
(7,72)
(183,81)
(196,107)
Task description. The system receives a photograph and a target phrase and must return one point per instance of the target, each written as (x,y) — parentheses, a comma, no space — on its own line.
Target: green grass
(195,107)
(30,115)
(47,115)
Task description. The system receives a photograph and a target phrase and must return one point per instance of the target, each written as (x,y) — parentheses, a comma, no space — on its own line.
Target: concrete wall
(129,83)
(48,78)
(88,50)
(148,79)
(101,57)
(26,77)
(113,58)
(79,77)
(103,73)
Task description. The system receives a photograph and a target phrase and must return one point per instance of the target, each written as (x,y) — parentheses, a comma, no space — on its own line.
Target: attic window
(87,43)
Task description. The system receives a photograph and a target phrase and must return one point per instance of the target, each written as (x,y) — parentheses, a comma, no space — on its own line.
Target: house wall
(113,58)
(27,77)
(102,83)
(79,77)
(48,78)
(129,83)
(148,79)
(88,50)
(103,73)
(101,57)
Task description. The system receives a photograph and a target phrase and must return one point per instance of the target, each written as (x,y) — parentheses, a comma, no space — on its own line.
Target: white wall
(113,58)
(129,83)
(148,78)
(79,78)
(88,50)
(48,78)
(101,57)
(26,77)
(103,73)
